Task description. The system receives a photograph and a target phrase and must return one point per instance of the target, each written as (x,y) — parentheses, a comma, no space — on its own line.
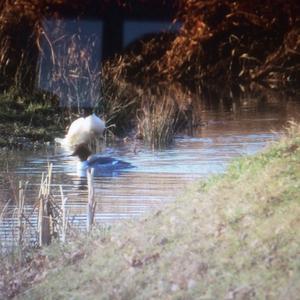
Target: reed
(91,205)
(44,212)
(46,219)
(158,118)
(163,112)
(52,217)
(4,211)
(15,220)
(119,99)
(64,219)
(36,222)
(20,211)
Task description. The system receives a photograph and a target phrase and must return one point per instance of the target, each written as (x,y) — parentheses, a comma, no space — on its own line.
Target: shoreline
(237,238)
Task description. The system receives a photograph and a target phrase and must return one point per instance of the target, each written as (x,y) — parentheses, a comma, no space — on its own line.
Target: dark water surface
(159,176)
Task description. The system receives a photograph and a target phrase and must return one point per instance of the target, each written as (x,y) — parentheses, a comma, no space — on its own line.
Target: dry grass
(229,41)
(161,113)
(233,237)
(32,221)
(157,121)
(218,40)
(119,98)
(154,113)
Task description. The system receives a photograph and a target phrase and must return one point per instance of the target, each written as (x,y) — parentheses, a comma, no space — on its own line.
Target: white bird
(83,131)
(94,125)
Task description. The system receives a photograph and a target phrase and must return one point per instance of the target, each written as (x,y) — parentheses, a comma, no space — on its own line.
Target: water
(158,177)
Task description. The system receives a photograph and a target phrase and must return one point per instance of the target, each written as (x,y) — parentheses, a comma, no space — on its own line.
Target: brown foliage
(229,40)
(224,41)
(219,40)
(19,27)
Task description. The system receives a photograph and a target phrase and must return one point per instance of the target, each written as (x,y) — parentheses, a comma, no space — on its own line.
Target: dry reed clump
(155,113)
(34,223)
(157,120)
(163,111)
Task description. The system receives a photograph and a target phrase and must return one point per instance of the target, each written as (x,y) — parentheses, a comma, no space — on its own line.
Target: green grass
(235,236)
(28,118)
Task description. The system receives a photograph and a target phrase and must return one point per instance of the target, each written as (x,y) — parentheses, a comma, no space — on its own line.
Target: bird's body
(102,165)
(77,133)
(83,131)
(94,125)
(79,138)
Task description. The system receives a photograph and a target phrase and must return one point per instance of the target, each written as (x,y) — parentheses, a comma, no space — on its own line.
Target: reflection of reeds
(71,73)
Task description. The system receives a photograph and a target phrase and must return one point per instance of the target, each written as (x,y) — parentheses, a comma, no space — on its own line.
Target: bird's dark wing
(106,162)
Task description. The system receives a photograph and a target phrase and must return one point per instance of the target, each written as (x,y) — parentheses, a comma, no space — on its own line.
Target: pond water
(158,177)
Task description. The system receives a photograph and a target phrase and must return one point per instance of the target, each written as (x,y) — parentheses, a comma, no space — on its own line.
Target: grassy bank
(151,114)
(235,236)
(27,119)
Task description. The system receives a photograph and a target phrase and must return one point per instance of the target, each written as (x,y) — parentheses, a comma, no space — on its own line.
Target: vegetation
(28,118)
(237,238)
(239,41)
(223,42)
(233,236)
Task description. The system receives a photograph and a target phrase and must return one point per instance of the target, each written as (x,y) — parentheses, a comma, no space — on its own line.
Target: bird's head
(82,151)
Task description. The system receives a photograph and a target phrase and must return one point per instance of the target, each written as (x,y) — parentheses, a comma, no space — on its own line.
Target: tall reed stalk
(64,218)
(44,214)
(91,205)
(20,211)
